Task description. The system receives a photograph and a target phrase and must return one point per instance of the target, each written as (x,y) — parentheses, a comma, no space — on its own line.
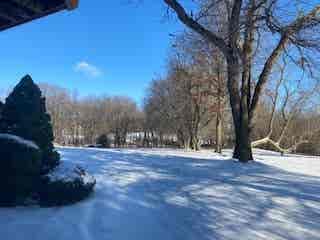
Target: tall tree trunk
(161,139)
(219,123)
(243,149)
(181,139)
(240,112)
(145,140)
(219,133)
(194,143)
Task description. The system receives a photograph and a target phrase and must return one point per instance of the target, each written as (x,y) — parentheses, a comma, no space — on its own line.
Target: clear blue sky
(104,47)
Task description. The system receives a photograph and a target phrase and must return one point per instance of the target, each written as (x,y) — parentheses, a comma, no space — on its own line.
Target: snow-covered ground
(171,194)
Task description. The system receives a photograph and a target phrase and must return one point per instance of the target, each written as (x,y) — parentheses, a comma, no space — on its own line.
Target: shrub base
(65,185)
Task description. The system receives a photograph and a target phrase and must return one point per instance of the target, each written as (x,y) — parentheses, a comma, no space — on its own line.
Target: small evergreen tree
(24,114)
(103,141)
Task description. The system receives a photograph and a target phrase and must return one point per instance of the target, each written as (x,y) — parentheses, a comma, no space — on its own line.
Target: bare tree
(210,67)
(185,100)
(246,21)
(78,121)
(122,114)
(158,111)
(288,99)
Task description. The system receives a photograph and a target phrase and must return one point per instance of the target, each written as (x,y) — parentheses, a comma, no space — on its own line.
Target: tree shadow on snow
(209,199)
(146,196)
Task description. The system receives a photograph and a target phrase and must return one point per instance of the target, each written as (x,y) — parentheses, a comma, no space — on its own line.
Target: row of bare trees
(192,96)
(79,121)
(188,108)
(190,101)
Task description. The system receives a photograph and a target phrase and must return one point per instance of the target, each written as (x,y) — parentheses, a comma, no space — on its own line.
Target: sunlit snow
(173,194)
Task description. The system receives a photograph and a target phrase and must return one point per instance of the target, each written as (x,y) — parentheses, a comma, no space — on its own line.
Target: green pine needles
(24,114)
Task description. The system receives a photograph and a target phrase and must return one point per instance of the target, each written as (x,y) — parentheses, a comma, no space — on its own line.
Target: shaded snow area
(172,194)
(20,140)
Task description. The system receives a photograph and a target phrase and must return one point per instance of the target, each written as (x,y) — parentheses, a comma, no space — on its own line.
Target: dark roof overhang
(16,12)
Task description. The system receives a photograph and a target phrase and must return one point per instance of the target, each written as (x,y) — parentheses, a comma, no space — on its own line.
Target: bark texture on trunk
(219,133)
(240,111)
(243,149)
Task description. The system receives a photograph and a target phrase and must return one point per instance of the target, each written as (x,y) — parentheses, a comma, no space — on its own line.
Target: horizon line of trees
(187,108)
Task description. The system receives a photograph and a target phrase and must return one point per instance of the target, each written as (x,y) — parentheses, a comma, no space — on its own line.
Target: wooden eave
(16,12)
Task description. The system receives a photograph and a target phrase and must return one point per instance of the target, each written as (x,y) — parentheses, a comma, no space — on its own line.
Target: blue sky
(104,47)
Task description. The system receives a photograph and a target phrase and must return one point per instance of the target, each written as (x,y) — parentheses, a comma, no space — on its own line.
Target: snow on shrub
(65,185)
(20,165)
(20,140)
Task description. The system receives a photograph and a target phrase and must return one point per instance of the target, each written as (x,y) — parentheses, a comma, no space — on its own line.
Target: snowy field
(168,194)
